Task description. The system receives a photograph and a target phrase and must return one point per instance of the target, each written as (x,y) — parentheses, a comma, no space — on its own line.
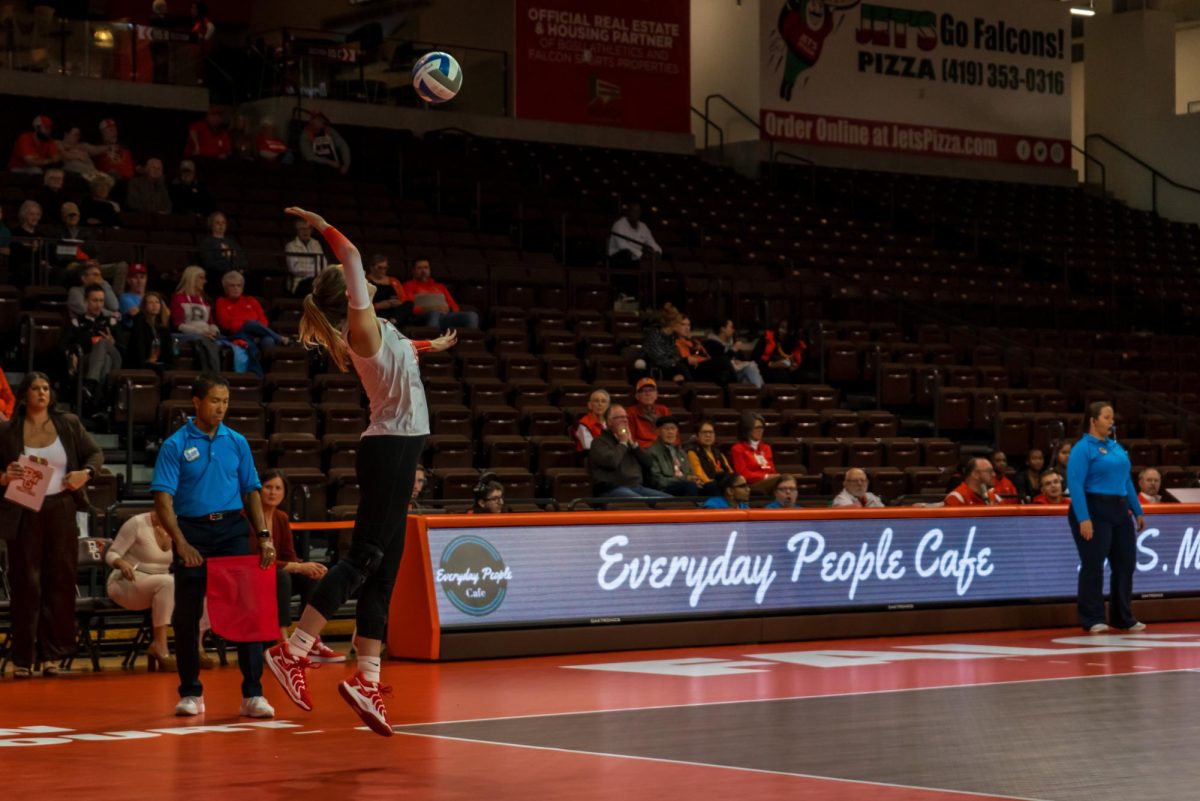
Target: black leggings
(387,469)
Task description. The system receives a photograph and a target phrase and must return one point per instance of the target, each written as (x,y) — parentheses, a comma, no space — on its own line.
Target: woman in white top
(141,579)
(339,317)
(43,555)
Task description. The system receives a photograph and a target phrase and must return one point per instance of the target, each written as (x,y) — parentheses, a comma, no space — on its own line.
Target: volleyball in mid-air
(437,77)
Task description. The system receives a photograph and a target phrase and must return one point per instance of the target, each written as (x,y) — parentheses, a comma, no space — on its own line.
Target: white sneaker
(1139,626)
(256,707)
(189,706)
(1098,628)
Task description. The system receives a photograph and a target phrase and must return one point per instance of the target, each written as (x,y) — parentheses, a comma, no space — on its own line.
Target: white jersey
(392,380)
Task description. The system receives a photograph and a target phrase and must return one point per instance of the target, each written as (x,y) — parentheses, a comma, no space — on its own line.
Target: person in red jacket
(8,401)
(1004,486)
(209,138)
(110,156)
(643,417)
(752,457)
(976,489)
(594,423)
(433,304)
(37,149)
(1051,484)
(240,318)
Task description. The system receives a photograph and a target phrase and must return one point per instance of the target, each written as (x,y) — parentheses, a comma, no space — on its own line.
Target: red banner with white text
(623,63)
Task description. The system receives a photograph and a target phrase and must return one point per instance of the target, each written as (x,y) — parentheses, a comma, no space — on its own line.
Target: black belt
(215,516)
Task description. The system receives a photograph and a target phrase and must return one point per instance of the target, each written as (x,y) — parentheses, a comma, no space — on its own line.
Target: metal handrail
(1155,174)
(757,126)
(1088,157)
(707,122)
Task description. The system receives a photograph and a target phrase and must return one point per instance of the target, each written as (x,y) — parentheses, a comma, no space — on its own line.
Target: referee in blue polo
(203,478)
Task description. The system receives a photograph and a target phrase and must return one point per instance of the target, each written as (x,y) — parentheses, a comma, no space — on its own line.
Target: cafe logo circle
(473,575)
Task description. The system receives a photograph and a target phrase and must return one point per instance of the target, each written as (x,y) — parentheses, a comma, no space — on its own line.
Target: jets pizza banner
(972,79)
(623,63)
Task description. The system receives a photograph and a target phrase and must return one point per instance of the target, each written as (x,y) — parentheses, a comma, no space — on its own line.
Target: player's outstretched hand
(445,341)
(311,217)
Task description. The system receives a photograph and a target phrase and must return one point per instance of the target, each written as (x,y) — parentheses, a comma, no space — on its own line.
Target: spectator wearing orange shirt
(1004,487)
(779,353)
(110,156)
(592,424)
(209,138)
(752,457)
(269,146)
(8,400)
(1051,485)
(643,417)
(37,149)
(240,317)
(976,489)
(391,301)
(433,304)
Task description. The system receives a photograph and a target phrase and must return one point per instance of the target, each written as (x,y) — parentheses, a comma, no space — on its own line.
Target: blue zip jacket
(1099,467)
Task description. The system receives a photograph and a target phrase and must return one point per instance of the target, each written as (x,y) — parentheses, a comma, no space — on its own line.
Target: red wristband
(422,345)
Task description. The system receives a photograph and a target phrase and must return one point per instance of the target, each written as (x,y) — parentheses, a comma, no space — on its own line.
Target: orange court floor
(1053,715)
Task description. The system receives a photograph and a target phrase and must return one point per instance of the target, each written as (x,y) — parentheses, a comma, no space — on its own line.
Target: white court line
(795,697)
(689,763)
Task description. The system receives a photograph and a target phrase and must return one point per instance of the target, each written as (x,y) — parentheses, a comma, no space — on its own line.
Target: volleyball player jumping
(338,316)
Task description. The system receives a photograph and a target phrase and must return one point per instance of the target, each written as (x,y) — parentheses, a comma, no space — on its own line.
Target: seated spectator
(241,319)
(787,493)
(8,401)
(135,290)
(292,576)
(593,423)
(414,503)
(976,488)
(391,302)
(75,155)
(219,253)
(73,245)
(36,150)
(305,257)
(269,146)
(433,304)
(670,469)
(727,350)
(627,242)
(241,139)
(779,353)
(141,557)
(643,418)
(51,194)
(209,138)
(188,195)
(1005,489)
(1028,481)
(149,346)
(732,492)
(658,344)
(707,460)
(702,366)
(616,461)
(489,496)
(111,158)
(5,235)
(90,276)
(1052,486)
(752,458)
(27,251)
(93,333)
(1062,454)
(854,491)
(191,315)
(99,209)
(321,144)
(148,192)
(1150,486)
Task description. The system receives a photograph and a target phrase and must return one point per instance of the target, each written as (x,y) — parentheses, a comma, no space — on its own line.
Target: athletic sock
(300,643)
(368,666)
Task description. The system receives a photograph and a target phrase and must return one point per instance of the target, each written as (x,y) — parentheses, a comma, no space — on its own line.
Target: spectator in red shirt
(110,156)
(643,417)
(1051,484)
(209,138)
(752,457)
(433,304)
(1150,486)
(37,149)
(976,489)
(779,353)
(592,424)
(1004,486)
(269,146)
(241,319)
(8,401)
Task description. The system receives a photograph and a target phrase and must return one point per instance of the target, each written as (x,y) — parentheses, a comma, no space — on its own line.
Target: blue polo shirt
(1099,467)
(205,475)
(719,502)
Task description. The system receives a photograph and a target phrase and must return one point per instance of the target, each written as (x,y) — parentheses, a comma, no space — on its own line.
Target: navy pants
(1114,537)
(229,536)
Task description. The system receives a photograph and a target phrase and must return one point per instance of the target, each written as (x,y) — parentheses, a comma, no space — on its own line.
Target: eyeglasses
(739,486)
(497,499)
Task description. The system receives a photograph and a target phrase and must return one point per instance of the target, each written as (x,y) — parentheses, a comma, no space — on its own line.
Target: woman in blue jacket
(1104,504)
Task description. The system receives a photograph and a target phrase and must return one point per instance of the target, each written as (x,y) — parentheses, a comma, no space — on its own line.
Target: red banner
(623,63)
